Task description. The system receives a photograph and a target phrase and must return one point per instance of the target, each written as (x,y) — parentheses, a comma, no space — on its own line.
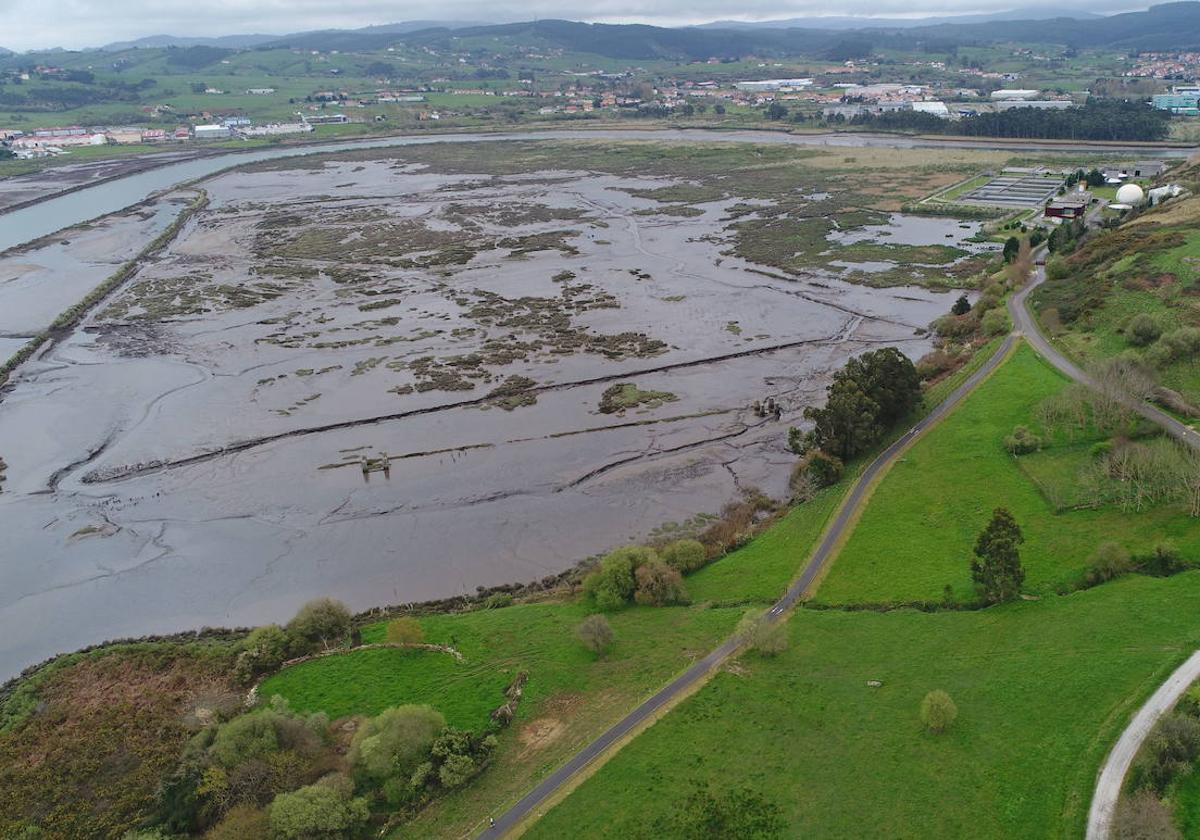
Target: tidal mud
(192,454)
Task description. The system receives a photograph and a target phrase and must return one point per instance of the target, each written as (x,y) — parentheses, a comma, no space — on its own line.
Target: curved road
(1024,326)
(1112,775)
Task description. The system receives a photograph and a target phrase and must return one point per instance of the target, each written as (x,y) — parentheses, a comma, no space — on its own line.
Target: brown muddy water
(191,455)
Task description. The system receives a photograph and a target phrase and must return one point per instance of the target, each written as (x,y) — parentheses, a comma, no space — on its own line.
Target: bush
(935,363)
(596,634)
(1170,751)
(322,622)
(938,711)
(1110,561)
(498,600)
(961,306)
(1022,441)
(405,631)
(1142,330)
(1177,345)
(1164,560)
(612,585)
(323,810)
(820,467)
(263,651)
(241,822)
(995,322)
(686,556)
(395,741)
(1144,817)
(659,584)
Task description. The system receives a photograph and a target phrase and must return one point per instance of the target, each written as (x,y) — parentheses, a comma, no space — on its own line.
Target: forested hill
(1163,27)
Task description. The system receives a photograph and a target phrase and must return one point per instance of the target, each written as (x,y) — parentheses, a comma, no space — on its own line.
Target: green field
(1042,690)
(916,535)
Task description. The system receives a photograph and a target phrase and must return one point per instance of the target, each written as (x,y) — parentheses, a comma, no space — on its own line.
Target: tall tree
(997,571)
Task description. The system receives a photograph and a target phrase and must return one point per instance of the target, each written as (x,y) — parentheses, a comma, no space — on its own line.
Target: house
(1069,206)
(211,132)
(1183,104)
(328,119)
(937,109)
(1012,93)
(1148,168)
(259,91)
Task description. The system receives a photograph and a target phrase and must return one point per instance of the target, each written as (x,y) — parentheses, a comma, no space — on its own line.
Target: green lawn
(369,681)
(916,535)
(1042,690)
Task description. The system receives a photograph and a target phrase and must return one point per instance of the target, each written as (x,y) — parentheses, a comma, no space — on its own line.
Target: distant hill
(6,52)
(235,42)
(863,22)
(1164,27)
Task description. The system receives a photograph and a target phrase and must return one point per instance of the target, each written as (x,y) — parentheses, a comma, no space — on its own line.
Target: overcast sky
(36,24)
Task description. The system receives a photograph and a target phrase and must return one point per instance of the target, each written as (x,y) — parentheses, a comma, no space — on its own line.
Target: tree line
(1099,119)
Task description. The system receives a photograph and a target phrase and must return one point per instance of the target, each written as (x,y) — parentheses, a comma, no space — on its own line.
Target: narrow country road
(1024,326)
(1112,775)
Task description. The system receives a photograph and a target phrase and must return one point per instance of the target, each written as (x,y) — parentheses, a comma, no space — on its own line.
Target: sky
(73,24)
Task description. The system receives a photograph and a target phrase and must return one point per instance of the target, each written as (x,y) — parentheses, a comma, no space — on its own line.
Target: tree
(1170,751)
(263,650)
(961,306)
(997,572)
(740,814)
(757,631)
(612,585)
(1012,247)
(596,634)
(824,469)
(846,425)
(320,811)
(405,631)
(938,711)
(322,621)
(684,555)
(775,111)
(659,584)
(395,741)
(719,109)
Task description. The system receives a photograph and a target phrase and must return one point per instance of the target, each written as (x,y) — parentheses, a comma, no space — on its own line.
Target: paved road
(1024,323)
(816,563)
(1112,775)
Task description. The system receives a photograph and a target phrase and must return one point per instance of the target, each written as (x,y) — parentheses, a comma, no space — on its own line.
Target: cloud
(35,24)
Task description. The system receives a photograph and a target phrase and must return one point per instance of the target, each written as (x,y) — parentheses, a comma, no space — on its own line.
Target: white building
(1043,104)
(774,84)
(211,132)
(275,129)
(1013,93)
(938,109)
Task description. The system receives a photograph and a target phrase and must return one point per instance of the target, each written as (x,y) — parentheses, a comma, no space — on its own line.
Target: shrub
(322,622)
(1110,561)
(1144,817)
(1022,441)
(938,711)
(659,584)
(822,468)
(1162,561)
(961,306)
(323,810)
(1170,751)
(498,600)
(596,634)
(458,755)
(1142,330)
(612,585)
(263,651)
(935,363)
(995,322)
(405,631)
(241,822)
(1183,343)
(760,634)
(395,741)
(684,555)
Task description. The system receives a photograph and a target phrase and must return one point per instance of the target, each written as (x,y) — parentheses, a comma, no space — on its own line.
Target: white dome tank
(1130,194)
